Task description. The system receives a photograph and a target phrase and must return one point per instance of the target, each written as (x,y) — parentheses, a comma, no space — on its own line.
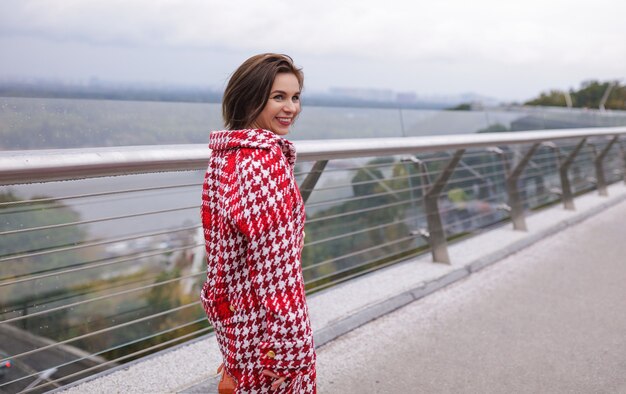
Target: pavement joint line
(364,314)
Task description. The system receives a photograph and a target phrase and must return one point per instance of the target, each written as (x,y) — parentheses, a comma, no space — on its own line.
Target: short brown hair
(250,85)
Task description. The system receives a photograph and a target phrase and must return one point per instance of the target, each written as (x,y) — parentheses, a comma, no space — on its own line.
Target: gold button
(232,308)
(303,235)
(271,354)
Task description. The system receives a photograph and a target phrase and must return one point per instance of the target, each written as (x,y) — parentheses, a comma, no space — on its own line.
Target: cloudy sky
(509,50)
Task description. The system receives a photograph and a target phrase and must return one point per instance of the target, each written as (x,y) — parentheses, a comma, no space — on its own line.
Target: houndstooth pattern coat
(253,218)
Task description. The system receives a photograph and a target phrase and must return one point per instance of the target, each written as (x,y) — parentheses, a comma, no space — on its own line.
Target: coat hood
(251,138)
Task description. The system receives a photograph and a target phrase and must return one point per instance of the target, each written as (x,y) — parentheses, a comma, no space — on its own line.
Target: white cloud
(572,36)
(516,31)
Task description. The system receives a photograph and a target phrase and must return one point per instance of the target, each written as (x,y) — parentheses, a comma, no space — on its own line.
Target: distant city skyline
(508,51)
(335,95)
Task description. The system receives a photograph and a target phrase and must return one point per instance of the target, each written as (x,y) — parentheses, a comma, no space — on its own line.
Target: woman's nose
(290,106)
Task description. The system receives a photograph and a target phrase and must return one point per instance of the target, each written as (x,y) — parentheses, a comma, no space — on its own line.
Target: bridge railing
(102,252)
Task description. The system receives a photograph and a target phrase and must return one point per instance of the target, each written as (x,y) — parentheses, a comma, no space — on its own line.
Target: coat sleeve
(264,214)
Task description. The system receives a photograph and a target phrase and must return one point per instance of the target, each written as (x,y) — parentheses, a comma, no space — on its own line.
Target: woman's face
(283,105)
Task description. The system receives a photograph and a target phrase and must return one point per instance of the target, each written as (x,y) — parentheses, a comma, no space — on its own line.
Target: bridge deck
(549,318)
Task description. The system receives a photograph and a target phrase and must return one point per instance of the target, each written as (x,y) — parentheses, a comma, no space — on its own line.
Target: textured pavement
(548,319)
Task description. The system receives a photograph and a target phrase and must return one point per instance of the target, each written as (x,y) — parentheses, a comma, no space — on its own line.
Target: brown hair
(250,85)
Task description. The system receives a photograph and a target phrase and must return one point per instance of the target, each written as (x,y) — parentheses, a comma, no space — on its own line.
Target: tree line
(590,95)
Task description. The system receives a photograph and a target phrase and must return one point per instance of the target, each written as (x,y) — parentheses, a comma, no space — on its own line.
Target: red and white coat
(253,218)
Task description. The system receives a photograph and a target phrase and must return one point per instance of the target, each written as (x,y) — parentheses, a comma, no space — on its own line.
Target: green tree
(588,96)
(553,98)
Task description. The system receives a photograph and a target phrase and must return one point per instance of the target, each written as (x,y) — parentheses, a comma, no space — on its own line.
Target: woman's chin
(280,131)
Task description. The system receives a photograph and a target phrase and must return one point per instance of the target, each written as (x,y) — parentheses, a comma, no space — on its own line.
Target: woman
(253,219)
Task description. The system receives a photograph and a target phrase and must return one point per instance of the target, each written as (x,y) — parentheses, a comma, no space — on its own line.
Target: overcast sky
(503,49)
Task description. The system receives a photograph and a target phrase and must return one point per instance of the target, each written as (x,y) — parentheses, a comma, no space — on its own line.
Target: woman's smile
(284,121)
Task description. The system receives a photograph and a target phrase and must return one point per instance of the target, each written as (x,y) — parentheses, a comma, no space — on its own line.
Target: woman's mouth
(284,121)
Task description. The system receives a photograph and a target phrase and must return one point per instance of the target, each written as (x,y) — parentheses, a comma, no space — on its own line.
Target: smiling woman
(263,88)
(253,218)
(283,106)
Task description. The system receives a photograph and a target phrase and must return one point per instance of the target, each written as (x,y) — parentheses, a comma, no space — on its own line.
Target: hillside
(589,95)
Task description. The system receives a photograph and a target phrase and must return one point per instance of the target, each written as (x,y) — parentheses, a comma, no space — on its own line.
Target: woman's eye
(278,97)
(295,99)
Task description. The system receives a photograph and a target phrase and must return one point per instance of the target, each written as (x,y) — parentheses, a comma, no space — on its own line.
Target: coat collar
(251,138)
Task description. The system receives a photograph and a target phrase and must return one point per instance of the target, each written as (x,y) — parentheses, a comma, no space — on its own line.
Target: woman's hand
(227,384)
(279,379)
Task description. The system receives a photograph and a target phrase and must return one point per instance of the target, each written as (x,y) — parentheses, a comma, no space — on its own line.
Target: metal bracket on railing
(599,157)
(311,179)
(549,144)
(436,236)
(503,207)
(422,232)
(495,149)
(556,191)
(564,164)
(515,205)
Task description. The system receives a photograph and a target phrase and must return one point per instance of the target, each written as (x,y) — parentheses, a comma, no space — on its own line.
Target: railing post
(566,189)
(311,179)
(436,235)
(515,204)
(599,157)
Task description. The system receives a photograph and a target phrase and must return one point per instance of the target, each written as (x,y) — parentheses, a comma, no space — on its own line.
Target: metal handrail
(18,167)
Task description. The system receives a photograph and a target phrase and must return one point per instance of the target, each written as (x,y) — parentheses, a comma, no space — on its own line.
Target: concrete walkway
(548,319)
